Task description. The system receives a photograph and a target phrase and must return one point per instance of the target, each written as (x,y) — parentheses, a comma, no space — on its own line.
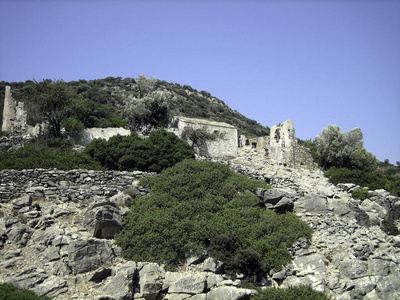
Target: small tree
(344,149)
(50,101)
(150,108)
(198,137)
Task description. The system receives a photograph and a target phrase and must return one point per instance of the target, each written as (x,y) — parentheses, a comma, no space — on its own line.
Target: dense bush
(291,293)
(10,292)
(159,151)
(196,206)
(47,154)
(361,194)
(373,180)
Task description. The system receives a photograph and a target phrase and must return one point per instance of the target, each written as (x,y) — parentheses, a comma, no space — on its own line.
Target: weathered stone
(28,278)
(51,287)
(212,265)
(151,277)
(88,255)
(122,285)
(229,292)
(311,204)
(189,284)
(102,219)
(100,274)
(284,205)
(24,201)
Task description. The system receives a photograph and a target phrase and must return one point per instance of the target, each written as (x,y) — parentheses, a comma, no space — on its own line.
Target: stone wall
(224,147)
(76,185)
(87,135)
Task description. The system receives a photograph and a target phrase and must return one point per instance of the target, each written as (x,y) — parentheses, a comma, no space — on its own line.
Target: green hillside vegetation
(104,103)
(47,153)
(196,206)
(159,151)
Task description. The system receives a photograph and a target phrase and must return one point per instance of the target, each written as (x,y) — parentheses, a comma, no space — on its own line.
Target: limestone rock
(189,284)
(311,204)
(51,287)
(88,255)
(102,219)
(123,284)
(229,292)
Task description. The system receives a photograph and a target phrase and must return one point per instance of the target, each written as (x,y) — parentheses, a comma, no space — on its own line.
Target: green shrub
(38,154)
(360,194)
(373,180)
(72,124)
(10,292)
(291,293)
(196,206)
(161,150)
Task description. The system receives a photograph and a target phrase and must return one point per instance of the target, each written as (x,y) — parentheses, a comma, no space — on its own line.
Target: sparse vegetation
(290,293)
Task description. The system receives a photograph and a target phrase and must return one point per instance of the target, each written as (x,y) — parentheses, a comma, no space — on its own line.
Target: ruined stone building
(14,115)
(280,147)
(225,146)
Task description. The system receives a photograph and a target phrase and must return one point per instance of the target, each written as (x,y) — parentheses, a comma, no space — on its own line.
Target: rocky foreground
(56,232)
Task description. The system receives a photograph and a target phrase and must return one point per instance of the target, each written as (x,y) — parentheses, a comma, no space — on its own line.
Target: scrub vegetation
(196,207)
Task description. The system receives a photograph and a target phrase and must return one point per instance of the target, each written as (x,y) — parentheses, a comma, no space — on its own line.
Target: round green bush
(196,206)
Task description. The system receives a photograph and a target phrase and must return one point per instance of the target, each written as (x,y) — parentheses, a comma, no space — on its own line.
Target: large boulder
(124,283)
(88,255)
(102,218)
(311,204)
(229,292)
(189,284)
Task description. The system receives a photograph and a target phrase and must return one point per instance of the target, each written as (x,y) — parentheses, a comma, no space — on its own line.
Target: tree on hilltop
(50,101)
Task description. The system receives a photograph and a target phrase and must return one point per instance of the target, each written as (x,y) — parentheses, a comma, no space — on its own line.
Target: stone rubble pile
(57,228)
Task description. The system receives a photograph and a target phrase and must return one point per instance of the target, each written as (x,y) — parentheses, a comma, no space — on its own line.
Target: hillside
(103,99)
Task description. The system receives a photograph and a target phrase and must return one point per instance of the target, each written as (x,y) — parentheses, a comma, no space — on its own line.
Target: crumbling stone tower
(283,135)
(14,115)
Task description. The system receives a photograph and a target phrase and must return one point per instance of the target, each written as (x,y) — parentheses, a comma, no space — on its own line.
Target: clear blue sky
(314,62)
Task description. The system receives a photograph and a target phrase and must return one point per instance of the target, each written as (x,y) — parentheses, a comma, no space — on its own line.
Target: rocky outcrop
(56,232)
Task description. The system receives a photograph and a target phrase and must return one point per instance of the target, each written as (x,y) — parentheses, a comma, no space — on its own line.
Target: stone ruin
(14,115)
(281,147)
(223,147)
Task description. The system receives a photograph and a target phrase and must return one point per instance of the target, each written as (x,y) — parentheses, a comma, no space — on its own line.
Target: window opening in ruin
(247,142)
(254,145)
(277,135)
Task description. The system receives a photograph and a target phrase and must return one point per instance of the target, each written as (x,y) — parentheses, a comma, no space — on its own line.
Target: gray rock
(388,287)
(151,281)
(28,278)
(213,280)
(339,206)
(212,265)
(24,201)
(189,284)
(51,287)
(311,204)
(229,292)
(102,219)
(18,234)
(284,205)
(100,274)
(122,285)
(88,255)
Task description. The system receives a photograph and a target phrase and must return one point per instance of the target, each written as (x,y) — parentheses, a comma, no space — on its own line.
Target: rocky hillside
(56,232)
